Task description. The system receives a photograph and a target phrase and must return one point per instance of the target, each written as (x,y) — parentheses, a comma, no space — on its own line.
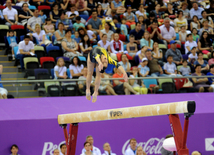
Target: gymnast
(99,57)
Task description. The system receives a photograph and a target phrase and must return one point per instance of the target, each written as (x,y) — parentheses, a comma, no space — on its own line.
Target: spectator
(195,34)
(60,71)
(104,43)
(64,4)
(40,36)
(91,5)
(132,149)
(206,17)
(134,83)
(54,13)
(67,22)
(31,23)
(72,14)
(11,39)
(143,24)
(116,45)
(85,46)
(125,63)
(141,53)
(164,151)
(107,149)
(94,149)
(180,21)
(192,58)
(211,80)
(26,49)
(196,153)
(167,32)
(206,28)
(185,70)
(118,6)
(100,12)
(81,6)
(140,151)
(141,12)
(24,14)
(82,31)
(129,16)
(170,67)
(107,30)
(189,44)
(156,52)
(82,84)
(69,46)
(149,6)
(77,38)
(59,35)
(170,11)
(42,16)
(121,84)
(203,63)
(131,46)
(63,149)
(175,53)
(10,14)
(56,152)
(137,32)
(157,12)
(150,19)
(155,33)
(49,28)
(200,83)
(146,41)
(78,23)
(123,27)
(143,69)
(3,91)
(14,149)
(94,24)
(88,150)
(106,85)
(105,5)
(211,60)
(21,2)
(195,23)
(155,68)
(2,21)
(37,2)
(182,35)
(205,44)
(76,67)
(185,9)
(196,10)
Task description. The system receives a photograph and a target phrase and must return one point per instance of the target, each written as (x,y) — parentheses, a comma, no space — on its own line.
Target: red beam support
(179,136)
(72,139)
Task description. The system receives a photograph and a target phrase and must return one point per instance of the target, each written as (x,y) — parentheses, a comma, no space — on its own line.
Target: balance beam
(129,112)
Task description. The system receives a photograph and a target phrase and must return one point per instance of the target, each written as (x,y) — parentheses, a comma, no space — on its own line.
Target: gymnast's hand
(125,76)
(100,66)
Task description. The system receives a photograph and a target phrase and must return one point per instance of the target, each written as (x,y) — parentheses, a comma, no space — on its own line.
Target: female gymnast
(99,57)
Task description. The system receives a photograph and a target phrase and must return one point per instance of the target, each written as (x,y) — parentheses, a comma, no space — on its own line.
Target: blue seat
(124,46)
(49,48)
(82,58)
(40,70)
(68,73)
(98,37)
(17,7)
(136,20)
(32,7)
(148,82)
(48,37)
(177,36)
(84,17)
(64,58)
(72,36)
(52,73)
(94,46)
(22,38)
(110,69)
(53,38)
(118,25)
(15,49)
(127,37)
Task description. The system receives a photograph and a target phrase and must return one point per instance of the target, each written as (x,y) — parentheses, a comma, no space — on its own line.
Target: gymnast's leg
(97,84)
(90,67)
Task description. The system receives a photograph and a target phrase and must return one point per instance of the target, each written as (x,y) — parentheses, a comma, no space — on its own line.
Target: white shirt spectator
(104,46)
(140,13)
(171,68)
(95,151)
(129,151)
(190,45)
(69,13)
(10,13)
(117,45)
(191,56)
(167,34)
(21,3)
(90,34)
(194,12)
(39,36)
(60,70)
(24,47)
(106,153)
(76,69)
(33,21)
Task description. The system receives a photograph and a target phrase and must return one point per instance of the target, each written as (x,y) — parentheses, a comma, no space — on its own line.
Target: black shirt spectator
(133,3)
(24,14)
(150,5)
(150,20)
(137,32)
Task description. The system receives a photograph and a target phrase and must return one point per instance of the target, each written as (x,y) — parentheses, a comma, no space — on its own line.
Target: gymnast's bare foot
(94,97)
(88,95)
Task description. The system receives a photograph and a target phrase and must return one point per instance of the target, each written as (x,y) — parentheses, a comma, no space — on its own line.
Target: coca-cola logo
(116,113)
(151,146)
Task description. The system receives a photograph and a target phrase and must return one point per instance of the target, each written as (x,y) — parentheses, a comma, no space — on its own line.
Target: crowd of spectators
(148,38)
(90,149)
